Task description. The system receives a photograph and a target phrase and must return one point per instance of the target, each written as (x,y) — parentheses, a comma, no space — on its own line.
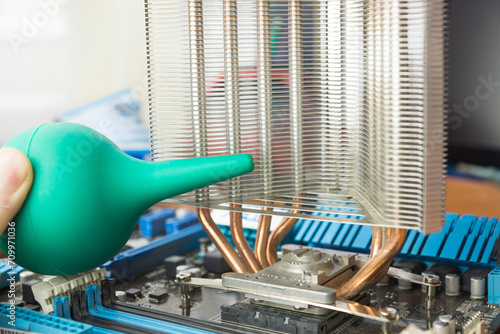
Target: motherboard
(169,278)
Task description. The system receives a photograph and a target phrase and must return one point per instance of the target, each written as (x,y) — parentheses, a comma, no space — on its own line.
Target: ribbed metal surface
(341,103)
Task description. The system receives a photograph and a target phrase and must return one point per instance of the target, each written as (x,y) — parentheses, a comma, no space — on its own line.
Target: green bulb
(87,195)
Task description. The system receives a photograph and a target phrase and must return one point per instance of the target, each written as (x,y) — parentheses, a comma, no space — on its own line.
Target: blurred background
(60,55)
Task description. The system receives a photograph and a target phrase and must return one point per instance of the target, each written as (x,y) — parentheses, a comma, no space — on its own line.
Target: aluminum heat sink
(340,102)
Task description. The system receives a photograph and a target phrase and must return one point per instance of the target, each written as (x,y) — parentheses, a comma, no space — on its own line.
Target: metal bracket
(344,306)
(403,275)
(301,273)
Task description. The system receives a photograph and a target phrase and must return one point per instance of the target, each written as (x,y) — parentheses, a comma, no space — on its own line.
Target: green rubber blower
(87,195)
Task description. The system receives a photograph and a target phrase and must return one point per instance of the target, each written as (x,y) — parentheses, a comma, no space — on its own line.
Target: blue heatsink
(464,240)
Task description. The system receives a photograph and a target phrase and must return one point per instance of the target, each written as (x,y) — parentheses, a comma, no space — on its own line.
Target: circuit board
(146,288)
(409,303)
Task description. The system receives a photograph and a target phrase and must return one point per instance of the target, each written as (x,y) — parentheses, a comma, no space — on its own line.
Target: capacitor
(450,320)
(384,281)
(195,272)
(402,284)
(183,267)
(441,327)
(26,276)
(477,287)
(121,296)
(452,285)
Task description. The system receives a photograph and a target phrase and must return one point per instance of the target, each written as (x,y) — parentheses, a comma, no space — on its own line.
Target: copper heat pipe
(373,271)
(262,238)
(277,236)
(221,242)
(241,243)
(377,239)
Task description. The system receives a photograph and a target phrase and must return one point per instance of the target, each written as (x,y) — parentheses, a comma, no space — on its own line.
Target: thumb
(16,176)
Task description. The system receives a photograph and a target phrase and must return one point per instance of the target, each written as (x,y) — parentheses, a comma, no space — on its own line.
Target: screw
(390,314)
(431,291)
(204,243)
(181,279)
(426,273)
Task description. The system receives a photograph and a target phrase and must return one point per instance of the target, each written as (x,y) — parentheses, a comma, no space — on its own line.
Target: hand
(16,177)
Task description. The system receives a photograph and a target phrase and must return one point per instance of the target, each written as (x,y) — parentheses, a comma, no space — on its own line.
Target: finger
(16,177)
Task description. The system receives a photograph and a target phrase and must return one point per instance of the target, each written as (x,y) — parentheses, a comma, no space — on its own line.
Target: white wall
(60,54)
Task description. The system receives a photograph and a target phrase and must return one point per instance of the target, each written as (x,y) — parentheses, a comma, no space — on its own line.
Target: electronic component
(158,296)
(283,321)
(121,296)
(495,324)
(473,272)
(450,320)
(404,284)
(130,262)
(494,286)
(27,320)
(477,287)
(441,327)
(171,264)
(214,262)
(133,293)
(412,267)
(46,292)
(7,272)
(95,309)
(416,267)
(173,225)
(27,288)
(442,270)
(474,325)
(153,223)
(452,284)
(204,243)
(26,276)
